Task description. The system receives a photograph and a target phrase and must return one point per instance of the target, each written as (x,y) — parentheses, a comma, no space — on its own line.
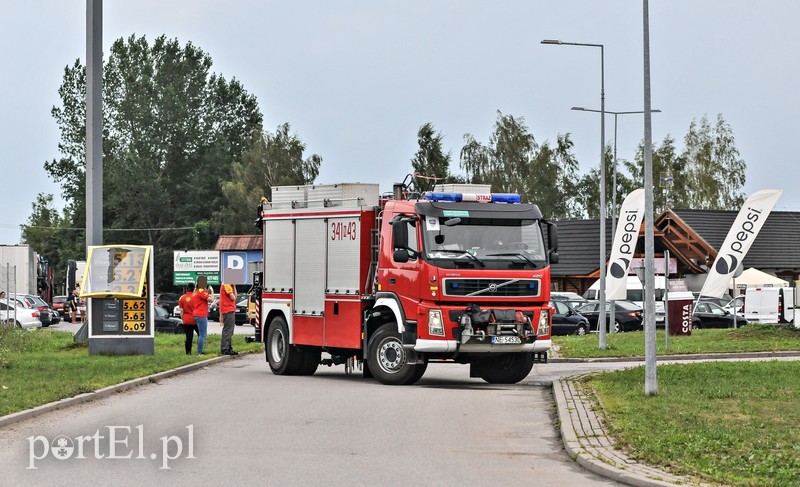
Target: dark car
(60,305)
(240,318)
(710,315)
(168,301)
(566,320)
(164,324)
(627,316)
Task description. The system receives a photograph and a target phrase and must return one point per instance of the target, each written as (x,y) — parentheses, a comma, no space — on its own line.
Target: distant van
(635,290)
(762,304)
(786,304)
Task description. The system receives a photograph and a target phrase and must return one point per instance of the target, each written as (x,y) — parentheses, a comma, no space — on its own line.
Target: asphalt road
(244,425)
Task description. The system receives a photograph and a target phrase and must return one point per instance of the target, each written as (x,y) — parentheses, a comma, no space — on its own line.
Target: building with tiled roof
(692,238)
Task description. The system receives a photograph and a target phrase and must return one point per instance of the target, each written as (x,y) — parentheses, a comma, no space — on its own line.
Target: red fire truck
(391,283)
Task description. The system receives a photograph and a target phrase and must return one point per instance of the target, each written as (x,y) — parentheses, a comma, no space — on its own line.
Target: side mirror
(554,257)
(400,255)
(552,237)
(400,235)
(439,239)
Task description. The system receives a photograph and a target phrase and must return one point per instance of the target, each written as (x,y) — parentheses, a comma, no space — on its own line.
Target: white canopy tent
(753,277)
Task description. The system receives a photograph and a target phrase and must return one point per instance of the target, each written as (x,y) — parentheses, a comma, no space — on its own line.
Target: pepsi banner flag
(739,240)
(625,238)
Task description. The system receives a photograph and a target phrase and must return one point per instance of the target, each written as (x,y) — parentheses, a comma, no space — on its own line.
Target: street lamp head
(580,109)
(551,41)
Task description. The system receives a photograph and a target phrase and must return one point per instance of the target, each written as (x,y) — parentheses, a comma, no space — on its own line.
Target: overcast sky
(356,79)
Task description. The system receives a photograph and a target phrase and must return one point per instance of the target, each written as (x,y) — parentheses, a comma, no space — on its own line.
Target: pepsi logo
(726,264)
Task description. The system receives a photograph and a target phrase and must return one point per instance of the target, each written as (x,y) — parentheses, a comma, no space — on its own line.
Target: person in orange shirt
(200,300)
(187,310)
(227,308)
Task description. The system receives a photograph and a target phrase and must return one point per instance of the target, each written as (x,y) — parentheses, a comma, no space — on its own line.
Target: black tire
(283,358)
(311,358)
(17,324)
(180,329)
(506,368)
(388,360)
(618,327)
(582,330)
(696,325)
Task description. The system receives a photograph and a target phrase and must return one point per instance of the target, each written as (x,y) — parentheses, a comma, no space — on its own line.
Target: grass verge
(750,338)
(733,423)
(38,367)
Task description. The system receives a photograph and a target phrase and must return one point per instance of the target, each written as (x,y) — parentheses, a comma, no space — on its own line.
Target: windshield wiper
(464,252)
(512,254)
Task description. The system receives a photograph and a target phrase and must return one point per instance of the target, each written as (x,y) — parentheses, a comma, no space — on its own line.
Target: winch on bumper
(492,331)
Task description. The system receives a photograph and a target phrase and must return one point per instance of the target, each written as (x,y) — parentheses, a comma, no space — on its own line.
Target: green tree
(171,131)
(708,174)
(715,172)
(431,164)
(513,162)
(667,164)
(272,159)
(48,232)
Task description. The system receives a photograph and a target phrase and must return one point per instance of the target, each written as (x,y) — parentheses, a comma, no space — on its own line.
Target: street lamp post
(601,318)
(614,167)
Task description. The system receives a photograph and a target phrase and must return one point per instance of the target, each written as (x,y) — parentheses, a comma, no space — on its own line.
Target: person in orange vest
(189,326)
(200,300)
(227,308)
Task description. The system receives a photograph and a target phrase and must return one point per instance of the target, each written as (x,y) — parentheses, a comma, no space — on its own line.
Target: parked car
(47,316)
(711,315)
(164,323)
(572,299)
(166,301)
(20,316)
(566,320)
(60,305)
(240,318)
(736,304)
(627,315)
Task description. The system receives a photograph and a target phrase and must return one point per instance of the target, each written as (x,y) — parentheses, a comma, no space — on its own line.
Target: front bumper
(450,346)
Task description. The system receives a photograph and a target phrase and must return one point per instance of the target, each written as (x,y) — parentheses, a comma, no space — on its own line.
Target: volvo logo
(492,288)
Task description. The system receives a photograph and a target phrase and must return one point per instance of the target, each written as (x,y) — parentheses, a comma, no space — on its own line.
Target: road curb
(698,356)
(106,391)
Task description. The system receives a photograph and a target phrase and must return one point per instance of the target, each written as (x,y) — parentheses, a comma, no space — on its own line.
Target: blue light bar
(506,198)
(482,198)
(430,195)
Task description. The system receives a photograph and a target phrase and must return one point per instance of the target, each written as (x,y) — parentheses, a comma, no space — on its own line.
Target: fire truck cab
(392,284)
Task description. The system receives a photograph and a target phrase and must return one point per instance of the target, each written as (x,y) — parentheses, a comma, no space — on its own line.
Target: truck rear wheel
(283,358)
(507,368)
(389,361)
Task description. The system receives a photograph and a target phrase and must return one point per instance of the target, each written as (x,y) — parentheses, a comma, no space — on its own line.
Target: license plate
(506,339)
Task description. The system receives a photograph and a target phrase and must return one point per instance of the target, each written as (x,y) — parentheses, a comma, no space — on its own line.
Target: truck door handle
(391,280)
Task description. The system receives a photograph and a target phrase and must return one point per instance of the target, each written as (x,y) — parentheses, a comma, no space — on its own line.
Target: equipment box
(289,196)
(346,194)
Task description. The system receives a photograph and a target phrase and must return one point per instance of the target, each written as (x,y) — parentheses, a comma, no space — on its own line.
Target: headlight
(544,323)
(435,323)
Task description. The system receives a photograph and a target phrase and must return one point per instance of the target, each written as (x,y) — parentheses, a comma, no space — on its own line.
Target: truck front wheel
(507,368)
(389,361)
(283,358)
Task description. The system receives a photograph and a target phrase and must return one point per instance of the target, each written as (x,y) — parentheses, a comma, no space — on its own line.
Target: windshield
(499,243)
